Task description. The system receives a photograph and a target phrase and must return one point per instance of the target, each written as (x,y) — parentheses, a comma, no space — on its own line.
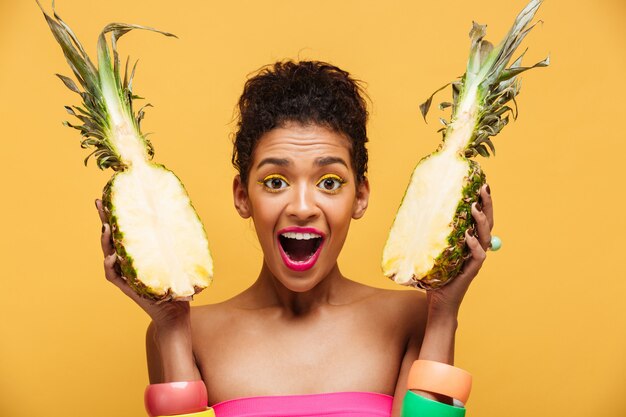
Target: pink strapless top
(335,404)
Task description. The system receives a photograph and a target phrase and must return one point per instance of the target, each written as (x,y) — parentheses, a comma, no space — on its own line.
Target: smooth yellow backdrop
(543,327)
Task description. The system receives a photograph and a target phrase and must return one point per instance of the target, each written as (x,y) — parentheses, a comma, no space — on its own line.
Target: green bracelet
(415,405)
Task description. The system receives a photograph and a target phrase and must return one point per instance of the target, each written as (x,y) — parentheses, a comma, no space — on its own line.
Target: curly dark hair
(306,92)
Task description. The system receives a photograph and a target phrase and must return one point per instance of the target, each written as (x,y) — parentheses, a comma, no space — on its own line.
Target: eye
(331,182)
(274,182)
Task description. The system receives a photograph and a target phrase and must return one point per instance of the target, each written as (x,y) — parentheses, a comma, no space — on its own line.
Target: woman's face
(302,195)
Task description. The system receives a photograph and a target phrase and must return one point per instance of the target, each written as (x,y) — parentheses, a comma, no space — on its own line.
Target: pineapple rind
(449,263)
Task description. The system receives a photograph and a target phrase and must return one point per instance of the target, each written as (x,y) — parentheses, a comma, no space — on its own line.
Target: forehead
(296,141)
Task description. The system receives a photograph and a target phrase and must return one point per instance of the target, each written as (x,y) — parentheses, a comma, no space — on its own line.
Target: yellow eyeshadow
(332,176)
(271,177)
(335,177)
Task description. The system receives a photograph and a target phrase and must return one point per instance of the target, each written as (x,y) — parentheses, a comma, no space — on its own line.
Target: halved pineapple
(426,245)
(160,242)
(443,187)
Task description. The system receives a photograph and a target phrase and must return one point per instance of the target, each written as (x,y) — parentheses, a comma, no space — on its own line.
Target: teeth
(301,236)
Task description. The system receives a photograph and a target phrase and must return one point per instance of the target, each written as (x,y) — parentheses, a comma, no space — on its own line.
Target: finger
(109,269)
(112,275)
(473,264)
(105,240)
(100,207)
(483,230)
(487,204)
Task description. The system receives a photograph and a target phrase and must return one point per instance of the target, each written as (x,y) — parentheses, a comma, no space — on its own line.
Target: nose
(303,205)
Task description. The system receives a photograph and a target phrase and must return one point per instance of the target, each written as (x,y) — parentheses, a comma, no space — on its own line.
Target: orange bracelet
(440,378)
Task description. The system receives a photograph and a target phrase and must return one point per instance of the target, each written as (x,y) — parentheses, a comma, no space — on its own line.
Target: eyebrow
(323,161)
(329,160)
(274,161)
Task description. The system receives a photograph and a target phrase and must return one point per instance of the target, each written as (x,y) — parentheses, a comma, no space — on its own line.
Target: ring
(495,244)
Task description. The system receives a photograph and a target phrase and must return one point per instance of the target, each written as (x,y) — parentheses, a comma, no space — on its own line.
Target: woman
(303,328)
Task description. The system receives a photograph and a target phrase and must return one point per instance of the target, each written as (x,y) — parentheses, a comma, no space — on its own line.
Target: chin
(299,284)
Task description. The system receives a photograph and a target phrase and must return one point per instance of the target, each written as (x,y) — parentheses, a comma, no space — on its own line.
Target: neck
(295,303)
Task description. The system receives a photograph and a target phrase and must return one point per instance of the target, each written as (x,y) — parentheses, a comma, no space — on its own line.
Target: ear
(361,199)
(240,197)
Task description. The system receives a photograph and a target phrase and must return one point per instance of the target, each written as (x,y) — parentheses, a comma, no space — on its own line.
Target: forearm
(174,346)
(176,386)
(438,344)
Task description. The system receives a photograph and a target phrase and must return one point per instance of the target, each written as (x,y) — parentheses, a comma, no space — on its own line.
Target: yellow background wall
(543,327)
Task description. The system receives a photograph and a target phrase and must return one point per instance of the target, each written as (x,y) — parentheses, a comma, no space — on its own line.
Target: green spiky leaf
(488,85)
(104,92)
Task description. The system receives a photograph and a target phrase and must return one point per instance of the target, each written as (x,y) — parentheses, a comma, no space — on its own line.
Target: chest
(267,356)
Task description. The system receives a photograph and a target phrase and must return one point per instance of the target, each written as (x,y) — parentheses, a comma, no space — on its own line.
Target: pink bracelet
(172,398)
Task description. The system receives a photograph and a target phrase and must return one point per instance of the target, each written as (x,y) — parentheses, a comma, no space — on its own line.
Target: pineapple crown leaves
(494,84)
(93,81)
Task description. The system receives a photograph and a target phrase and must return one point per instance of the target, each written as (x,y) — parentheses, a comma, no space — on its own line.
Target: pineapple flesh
(426,244)
(161,244)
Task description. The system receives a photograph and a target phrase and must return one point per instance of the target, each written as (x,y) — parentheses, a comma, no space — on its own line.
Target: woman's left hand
(447,299)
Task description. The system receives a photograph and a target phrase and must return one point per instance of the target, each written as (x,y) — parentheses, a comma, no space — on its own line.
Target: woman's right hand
(168,343)
(164,315)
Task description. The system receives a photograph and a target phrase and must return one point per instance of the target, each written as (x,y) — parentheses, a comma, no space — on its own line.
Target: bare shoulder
(402,300)
(208,318)
(203,317)
(402,308)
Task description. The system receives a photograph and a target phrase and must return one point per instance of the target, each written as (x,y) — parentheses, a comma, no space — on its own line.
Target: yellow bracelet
(206,413)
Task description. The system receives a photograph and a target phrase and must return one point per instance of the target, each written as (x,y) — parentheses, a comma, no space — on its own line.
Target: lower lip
(300,266)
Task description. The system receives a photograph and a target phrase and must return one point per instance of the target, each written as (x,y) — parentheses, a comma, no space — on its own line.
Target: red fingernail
(103,228)
(470,232)
(479,207)
(488,189)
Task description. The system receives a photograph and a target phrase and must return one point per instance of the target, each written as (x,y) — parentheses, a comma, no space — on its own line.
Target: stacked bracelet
(176,398)
(417,406)
(440,378)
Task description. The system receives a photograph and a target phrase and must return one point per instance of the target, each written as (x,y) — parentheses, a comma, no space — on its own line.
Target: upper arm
(155,372)
(415,309)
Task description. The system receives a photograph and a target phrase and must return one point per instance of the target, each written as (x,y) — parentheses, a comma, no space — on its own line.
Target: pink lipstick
(300,247)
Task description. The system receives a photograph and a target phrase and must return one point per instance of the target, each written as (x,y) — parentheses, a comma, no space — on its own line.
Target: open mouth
(299,246)
(300,249)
